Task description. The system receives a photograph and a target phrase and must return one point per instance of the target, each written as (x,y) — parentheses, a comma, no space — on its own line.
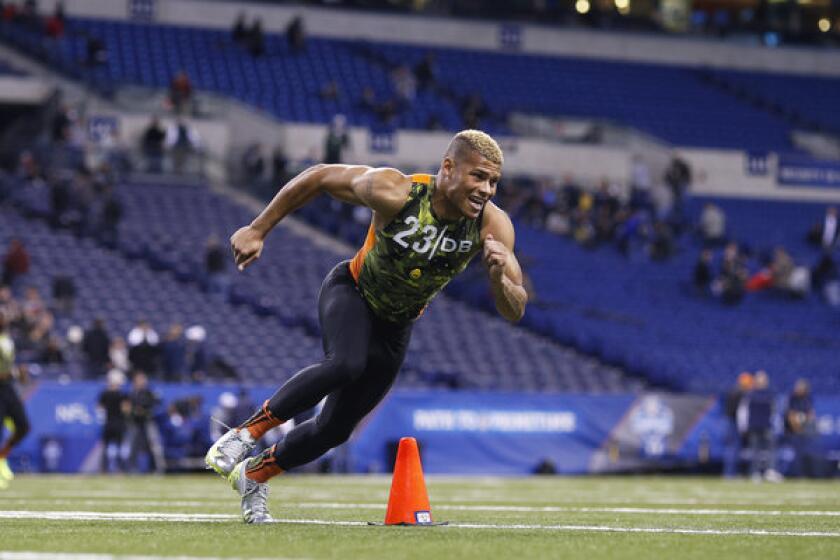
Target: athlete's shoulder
(496,221)
(384,189)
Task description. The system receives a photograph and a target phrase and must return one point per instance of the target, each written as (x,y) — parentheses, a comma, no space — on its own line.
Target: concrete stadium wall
(428,31)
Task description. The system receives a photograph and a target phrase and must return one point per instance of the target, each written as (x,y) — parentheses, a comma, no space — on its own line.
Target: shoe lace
(235,445)
(259,500)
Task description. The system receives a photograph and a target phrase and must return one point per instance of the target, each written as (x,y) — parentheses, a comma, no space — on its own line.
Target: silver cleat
(227,452)
(254,496)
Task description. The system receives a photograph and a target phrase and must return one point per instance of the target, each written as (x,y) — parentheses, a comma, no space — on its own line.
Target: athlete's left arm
(505,273)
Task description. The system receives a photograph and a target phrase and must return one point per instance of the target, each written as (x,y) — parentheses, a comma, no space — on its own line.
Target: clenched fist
(495,257)
(247,245)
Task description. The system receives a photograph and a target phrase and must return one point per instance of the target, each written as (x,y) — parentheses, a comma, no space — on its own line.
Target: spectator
(425,72)
(253,163)
(183,141)
(337,140)
(473,111)
(61,124)
(118,354)
(255,41)
(825,234)
(760,410)
(731,282)
(703,273)
(279,166)
(95,51)
(15,263)
(800,428)
(174,353)
(405,84)
(96,348)
(109,221)
(115,405)
(296,35)
(712,225)
(180,91)
(54,27)
(826,279)
(143,351)
(215,267)
(143,434)
(152,145)
(662,243)
(64,294)
(641,184)
(735,426)
(239,32)
(678,179)
(52,353)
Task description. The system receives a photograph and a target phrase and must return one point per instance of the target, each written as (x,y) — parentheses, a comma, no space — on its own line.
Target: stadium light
(582,6)
(623,6)
(824,25)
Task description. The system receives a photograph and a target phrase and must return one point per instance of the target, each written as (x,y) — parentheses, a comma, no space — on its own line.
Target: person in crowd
(425,72)
(253,163)
(712,225)
(152,145)
(735,426)
(826,233)
(174,353)
(730,284)
(114,404)
(216,268)
(180,92)
(801,430)
(703,273)
(337,140)
(255,40)
(16,263)
(52,353)
(96,53)
(761,406)
(678,178)
(296,35)
(118,354)
(95,346)
(183,141)
(143,344)
(143,434)
(63,294)
(239,31)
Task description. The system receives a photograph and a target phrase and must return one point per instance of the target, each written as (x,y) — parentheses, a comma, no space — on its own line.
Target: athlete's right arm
(383,190)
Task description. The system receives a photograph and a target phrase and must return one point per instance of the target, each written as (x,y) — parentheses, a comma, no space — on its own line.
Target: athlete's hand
(495,257)
(247,245)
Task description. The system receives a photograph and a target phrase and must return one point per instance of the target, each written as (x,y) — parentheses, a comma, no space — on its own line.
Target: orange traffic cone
(408,503)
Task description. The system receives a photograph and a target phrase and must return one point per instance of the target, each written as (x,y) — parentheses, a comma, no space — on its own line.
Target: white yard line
(217,518)
(566,509)
(28,555)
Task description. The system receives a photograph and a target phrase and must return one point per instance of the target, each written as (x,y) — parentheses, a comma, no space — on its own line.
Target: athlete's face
(469,182)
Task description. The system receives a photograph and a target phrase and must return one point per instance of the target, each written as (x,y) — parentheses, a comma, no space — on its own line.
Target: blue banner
(458,432)
(807,172)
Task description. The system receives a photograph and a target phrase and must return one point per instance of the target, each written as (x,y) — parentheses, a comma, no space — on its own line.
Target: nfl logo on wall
(141,10)
(510,37)
(383,142)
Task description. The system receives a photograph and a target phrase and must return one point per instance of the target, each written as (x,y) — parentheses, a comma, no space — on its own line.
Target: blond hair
(479,141)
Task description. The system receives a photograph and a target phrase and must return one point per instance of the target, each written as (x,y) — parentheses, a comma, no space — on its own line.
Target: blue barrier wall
(459,432)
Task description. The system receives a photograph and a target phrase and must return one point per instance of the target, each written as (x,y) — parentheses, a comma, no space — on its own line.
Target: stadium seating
(653,98)
(161,256)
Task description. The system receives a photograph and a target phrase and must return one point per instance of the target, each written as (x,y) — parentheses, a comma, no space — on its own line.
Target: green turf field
(521,518)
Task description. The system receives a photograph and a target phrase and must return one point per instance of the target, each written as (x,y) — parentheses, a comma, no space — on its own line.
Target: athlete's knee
(351,366)
(334,434)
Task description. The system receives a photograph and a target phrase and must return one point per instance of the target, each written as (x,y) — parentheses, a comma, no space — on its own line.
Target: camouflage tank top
(401,267)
